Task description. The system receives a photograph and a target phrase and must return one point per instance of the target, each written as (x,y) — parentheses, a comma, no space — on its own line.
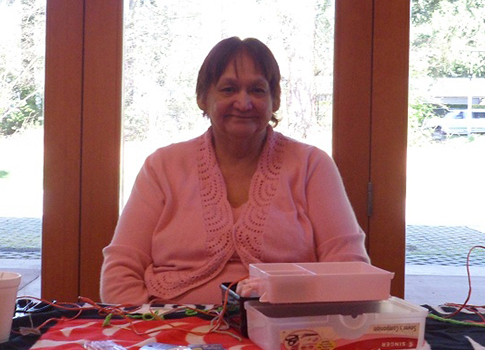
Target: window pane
(166,42)
(22,47)
(446,188)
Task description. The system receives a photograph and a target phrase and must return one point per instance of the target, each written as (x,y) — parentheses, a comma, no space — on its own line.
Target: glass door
(166,42)
(22,47)
(446,149)
(82,101)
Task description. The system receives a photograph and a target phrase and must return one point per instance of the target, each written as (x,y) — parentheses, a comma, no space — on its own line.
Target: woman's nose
(243,101)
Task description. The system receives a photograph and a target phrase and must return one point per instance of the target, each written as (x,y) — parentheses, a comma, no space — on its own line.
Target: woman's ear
(276,104)
(201,103)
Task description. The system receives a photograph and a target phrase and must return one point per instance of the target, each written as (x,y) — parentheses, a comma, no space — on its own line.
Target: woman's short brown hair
(225,51)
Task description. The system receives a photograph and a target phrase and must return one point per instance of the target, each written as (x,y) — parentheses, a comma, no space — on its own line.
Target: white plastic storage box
(387,325)
(320,282)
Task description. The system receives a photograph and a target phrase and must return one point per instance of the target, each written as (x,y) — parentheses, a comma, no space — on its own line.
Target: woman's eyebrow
(227,80)
(260,81)
(234,81)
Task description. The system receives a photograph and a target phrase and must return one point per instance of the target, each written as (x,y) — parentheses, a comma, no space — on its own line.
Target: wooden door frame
(83,98)
(82,143)
(62,149)
(370,122)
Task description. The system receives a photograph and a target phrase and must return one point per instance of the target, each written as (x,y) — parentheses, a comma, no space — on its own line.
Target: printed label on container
(383,337)
(407,329)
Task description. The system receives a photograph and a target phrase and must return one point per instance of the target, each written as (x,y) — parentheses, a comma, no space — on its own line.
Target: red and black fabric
(66,333)
(72,334)
(446,335)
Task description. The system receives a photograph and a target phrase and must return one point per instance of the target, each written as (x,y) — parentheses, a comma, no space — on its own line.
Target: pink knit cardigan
(177,233)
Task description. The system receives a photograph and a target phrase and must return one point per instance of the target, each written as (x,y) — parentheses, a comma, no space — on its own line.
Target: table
(183,327)
(73,325)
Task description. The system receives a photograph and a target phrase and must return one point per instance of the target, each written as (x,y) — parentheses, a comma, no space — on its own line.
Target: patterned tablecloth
(184,328)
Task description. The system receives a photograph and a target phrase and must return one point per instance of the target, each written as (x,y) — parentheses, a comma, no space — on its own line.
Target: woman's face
(239,105)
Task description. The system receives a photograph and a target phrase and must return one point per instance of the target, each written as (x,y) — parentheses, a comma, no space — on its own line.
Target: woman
(202,210)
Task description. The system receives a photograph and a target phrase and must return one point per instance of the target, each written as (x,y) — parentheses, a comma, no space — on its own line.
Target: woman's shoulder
(177,150)
(299,149)
(304,158)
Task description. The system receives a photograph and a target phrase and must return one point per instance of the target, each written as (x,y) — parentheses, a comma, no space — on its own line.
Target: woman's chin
(245,131)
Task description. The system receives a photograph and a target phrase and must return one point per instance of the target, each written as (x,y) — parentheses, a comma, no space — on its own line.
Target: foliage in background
(447,41)
(26,111)
(448,38)
(166,41)
(22,46)
(418,111)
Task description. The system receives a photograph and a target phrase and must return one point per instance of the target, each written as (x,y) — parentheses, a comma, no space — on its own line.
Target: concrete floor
(30,271)
(436,285)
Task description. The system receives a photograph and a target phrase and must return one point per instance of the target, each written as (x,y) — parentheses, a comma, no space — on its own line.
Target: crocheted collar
(246,235)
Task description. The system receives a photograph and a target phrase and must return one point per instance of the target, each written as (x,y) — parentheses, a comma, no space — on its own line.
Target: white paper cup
(9,283)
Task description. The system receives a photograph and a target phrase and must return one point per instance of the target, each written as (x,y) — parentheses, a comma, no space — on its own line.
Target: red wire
(465,304)
(119,310)
(220,318)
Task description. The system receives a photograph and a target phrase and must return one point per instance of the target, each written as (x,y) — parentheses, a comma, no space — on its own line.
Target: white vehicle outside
(457,122)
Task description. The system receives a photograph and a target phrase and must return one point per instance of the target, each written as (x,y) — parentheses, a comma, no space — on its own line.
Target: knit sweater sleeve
(338,236)
(129,254)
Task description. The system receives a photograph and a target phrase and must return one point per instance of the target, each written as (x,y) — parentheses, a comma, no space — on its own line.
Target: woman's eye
(228,89)
(259,91)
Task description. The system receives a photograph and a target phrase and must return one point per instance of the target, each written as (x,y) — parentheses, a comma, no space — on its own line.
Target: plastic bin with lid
(387,324)
(320,282)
